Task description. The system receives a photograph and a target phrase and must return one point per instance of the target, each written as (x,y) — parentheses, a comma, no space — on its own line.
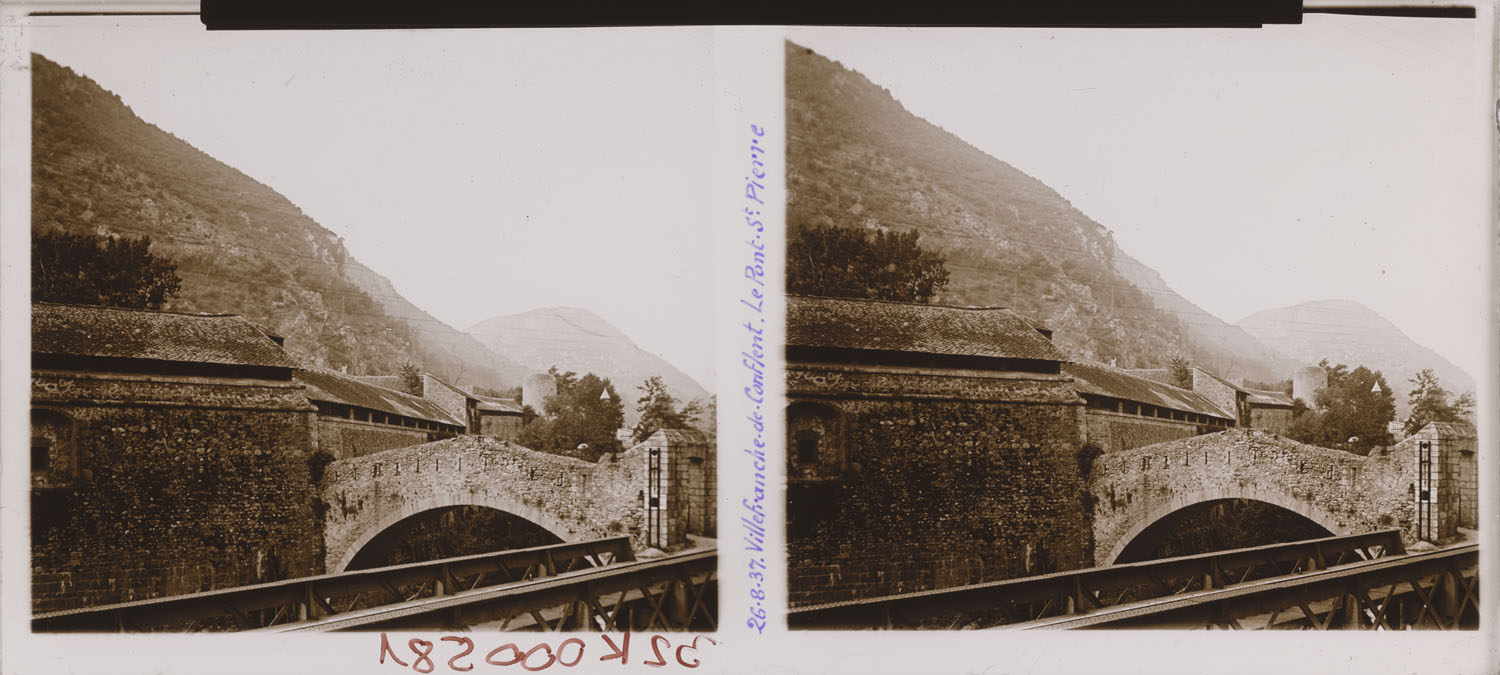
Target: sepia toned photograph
(357,331)
(1136,329)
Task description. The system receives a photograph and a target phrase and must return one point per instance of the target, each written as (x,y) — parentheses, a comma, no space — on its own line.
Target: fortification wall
(345,438)
(951,478)
(168,488)
(1112,431)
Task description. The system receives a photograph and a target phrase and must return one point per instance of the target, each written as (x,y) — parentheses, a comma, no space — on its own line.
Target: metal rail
(1091,589)
(1434,589)
(674,593)
(314,597)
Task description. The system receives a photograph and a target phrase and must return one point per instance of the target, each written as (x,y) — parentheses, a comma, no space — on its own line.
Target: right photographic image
(1176,329)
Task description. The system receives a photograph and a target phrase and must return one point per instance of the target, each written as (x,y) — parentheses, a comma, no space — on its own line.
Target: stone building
(357,418)
(680,497)
(1123,411)
(169,454)
(927,447)
(1252,408)
(1447,490)
(498,417)
(484,415)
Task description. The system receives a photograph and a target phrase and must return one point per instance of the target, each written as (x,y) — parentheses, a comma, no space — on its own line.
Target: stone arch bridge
(1420,485)
(656,492)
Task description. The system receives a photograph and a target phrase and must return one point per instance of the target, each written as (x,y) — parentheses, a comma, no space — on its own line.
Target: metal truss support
(1091,590)
(317,597)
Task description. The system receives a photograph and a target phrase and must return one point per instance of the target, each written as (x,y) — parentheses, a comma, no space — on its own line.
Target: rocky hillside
(239,246)
(578,340)
(1344,331)
(857,158)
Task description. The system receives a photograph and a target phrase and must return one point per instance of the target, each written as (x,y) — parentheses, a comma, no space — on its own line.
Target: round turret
(535,390)
(1307,382)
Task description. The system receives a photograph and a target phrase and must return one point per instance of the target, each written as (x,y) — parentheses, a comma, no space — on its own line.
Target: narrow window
(41,454)
(807,447)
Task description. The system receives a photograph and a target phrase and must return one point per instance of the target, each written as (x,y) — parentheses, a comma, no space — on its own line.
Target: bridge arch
(1186,500)
(372,528)
(572,499)
(1339,491)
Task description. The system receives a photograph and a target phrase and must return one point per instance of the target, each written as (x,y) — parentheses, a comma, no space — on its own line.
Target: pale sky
(1343,158)
(482,172)
(492,172)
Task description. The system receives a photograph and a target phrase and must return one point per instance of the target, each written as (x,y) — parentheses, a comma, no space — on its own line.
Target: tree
(848,263)
(1351,413)
(1181,372)
(585,411)
(659,410)
(88,269)
(1429,403)
(411,378)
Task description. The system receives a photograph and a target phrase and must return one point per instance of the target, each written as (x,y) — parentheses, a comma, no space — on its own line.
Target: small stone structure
(1447,451)
(169,455)
(927,447)
(681,486)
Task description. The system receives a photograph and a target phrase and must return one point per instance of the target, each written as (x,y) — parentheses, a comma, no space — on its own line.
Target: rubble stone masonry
(950,477)
(1341,491)
(166,485)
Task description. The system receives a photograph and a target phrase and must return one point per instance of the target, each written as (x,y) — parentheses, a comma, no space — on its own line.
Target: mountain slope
(238,245)
(1235,344)
(1344,331)
(578,340)
(858,158)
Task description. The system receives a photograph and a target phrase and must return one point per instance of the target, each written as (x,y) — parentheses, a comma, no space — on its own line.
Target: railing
(315,597)
(673,593)
(1434,589)
(1075,592)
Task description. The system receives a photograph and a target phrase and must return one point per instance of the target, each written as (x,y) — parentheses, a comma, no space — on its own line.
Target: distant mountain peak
(1348,332)
(579,322)
(578,340)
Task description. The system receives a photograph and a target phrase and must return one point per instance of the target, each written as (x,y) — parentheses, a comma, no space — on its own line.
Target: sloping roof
(1162,375)
(387,381)
(113,332)
(677,437)
(1101,380)
(1262,397)
(326,385)
(909,327)
(1452,429)
(494,404)
(429,377)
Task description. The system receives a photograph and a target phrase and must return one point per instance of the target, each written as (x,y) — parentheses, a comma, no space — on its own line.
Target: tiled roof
(112,332)
(493,404)
(387,381)
(1262,397)
(910,327)
(326,385)
(678,436)
(1162,375)
(1102,380)
(1452,429)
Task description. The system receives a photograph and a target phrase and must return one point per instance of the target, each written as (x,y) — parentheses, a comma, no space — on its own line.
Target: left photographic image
(370,330)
